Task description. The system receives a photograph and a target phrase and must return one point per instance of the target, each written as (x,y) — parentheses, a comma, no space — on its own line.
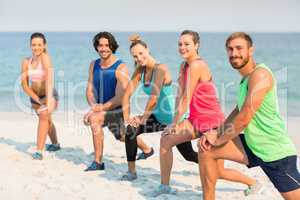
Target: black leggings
(152,125)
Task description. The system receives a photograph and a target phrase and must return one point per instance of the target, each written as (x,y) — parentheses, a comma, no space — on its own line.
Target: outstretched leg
(210,166)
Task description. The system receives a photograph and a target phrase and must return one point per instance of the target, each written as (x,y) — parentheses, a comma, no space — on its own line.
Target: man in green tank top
(265,141)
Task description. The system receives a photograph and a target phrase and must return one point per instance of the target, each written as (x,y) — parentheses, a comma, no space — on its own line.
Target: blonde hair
(136,39)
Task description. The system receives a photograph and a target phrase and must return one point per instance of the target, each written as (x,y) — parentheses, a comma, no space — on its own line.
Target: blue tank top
(104,81)
(164,109)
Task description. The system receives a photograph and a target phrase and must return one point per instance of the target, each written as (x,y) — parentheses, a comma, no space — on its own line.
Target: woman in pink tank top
(37,83)
(196,92)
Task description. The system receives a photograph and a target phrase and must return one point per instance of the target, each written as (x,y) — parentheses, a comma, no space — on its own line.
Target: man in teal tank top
(265,141)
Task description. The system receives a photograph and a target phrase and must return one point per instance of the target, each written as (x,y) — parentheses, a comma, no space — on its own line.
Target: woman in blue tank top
(159,111)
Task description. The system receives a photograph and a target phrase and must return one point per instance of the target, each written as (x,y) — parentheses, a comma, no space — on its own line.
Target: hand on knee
(94,119)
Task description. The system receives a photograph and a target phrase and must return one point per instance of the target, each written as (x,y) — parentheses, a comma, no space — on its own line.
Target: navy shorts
(283,173)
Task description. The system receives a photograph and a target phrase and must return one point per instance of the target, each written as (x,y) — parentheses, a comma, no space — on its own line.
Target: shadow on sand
(148,178)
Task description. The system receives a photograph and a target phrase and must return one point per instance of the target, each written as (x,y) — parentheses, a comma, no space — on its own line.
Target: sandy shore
(60,175)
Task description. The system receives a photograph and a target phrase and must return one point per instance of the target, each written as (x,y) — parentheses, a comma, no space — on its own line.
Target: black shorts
(55,96)
(283,173)
(113,119)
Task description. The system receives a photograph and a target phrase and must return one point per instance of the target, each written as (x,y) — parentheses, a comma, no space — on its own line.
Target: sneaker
(164,189)
(37,156)
(95,166)
(53,147)
(144,156)
(257,188)
(129,176)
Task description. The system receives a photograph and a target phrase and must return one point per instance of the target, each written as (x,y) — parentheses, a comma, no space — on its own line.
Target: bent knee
(44,115)
(165,143)
(94,119)
(204,154)
(131,133)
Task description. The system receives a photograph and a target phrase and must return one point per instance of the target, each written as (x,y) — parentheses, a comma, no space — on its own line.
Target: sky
(150,15)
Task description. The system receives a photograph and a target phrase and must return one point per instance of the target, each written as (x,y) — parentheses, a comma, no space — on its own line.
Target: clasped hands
(208,140)
(94,108)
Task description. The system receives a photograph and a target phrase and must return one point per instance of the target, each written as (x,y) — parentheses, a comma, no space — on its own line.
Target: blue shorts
(283,173)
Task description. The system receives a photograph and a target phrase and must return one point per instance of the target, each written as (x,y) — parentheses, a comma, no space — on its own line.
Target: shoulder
(91,68)
(25,63)
(261,77)
(260,73)
(162,68)
(121,71)
(199,66)
(199,63)
(45,56)
(122,66)
(46,61)
(92,63)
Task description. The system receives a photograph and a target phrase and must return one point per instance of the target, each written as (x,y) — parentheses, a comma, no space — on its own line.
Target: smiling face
(140,54)
(103,48)
(239,52)
(187,47)
(38,46)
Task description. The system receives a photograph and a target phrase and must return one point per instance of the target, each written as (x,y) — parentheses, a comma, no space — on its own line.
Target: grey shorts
(55,95)
(115,122)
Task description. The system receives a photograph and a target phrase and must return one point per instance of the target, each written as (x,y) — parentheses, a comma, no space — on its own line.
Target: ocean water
(71,54)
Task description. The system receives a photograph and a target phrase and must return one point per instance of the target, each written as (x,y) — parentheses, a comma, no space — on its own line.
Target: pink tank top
(205,109)
(36,74)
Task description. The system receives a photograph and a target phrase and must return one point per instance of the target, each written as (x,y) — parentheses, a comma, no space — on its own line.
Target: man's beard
(235,66)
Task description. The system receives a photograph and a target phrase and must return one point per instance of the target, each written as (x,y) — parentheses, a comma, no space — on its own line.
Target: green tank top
(266,135)
(164,109)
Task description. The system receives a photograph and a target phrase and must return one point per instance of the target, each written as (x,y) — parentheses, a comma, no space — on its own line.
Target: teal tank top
(164,109)
(266,135)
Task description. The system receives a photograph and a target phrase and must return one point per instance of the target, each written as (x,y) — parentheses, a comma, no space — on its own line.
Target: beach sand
(60,175)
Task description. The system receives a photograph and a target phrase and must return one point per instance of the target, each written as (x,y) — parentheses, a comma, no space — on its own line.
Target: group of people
(253,134)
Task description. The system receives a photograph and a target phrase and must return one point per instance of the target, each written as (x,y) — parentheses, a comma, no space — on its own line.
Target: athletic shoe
(95,166)
(163,189)
(129,176)
(144,156)
(37,156)
(53,147)
(257,188)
